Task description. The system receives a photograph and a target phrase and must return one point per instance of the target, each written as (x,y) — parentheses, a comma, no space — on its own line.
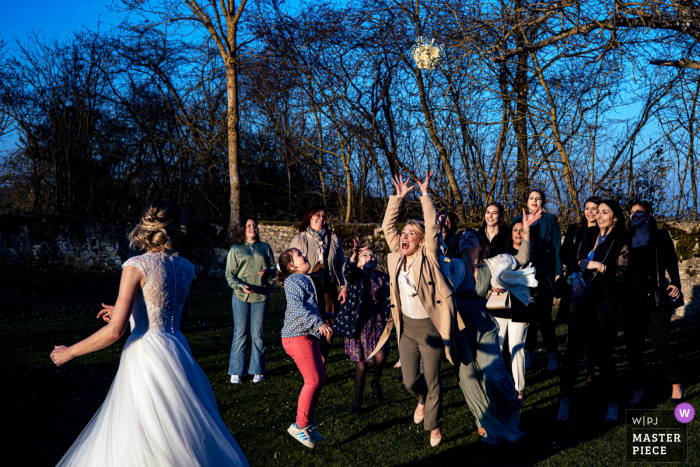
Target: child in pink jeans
(303,327)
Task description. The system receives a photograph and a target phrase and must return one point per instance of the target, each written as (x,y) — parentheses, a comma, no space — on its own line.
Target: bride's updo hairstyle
(161,223)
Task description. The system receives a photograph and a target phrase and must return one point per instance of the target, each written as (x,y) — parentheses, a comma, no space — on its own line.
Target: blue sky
(54,18)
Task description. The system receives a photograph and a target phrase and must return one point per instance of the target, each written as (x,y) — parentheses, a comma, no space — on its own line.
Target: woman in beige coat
(422,307)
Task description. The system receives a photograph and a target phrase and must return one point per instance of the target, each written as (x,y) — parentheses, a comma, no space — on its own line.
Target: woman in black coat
(600,267)
(572,240)
(495,229)
(652,256)
(362,319)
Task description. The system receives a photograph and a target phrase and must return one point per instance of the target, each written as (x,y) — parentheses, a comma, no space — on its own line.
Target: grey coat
(336,258)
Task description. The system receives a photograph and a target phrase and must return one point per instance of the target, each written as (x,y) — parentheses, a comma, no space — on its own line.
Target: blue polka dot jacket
(302,317)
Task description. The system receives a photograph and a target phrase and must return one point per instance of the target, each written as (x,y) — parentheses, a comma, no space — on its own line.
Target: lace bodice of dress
(159,303)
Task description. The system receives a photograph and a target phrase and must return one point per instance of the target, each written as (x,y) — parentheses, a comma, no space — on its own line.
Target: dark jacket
(499,244)
(548,247)
(572,240)
(667,259)
(346,320)
(613,253)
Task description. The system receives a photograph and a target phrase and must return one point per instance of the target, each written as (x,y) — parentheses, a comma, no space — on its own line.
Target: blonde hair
(419,225)
(161,223)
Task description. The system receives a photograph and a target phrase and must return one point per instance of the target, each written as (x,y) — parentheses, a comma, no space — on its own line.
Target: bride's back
(158,304)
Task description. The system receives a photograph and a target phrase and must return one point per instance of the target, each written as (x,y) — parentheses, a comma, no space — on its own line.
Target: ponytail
(283,270)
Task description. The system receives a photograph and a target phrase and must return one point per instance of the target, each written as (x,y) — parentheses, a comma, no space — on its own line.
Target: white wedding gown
(160,410)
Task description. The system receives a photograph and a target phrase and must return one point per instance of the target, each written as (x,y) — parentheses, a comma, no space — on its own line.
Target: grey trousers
(420,339)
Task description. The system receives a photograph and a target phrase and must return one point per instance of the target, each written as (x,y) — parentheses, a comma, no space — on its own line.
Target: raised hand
(529,219)
(356,248)
(424,186)
(402,187)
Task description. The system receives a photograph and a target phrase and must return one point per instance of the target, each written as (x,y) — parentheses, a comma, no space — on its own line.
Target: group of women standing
(437,292)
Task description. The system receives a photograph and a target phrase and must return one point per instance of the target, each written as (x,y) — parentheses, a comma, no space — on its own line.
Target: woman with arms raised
(600,267)
(160,409)
(422,307)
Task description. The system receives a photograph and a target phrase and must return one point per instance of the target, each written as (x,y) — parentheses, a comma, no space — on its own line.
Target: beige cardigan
(434,290)
(336,257)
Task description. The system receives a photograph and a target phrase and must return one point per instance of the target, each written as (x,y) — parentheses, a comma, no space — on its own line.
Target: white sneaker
(302,435)
(258,378)
(236,379)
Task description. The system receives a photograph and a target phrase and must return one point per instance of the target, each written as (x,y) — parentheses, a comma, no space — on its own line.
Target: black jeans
(583,321)
(640,316)
(541,315)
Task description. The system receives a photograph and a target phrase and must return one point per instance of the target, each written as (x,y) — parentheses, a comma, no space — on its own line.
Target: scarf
(323,240)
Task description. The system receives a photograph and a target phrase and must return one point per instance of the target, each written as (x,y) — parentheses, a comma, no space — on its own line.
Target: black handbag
(661,297)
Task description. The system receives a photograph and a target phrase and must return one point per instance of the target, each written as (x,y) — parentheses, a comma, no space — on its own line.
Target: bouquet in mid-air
(426,54)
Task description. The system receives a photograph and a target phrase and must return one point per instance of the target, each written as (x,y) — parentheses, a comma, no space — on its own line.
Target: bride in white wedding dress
(160,410)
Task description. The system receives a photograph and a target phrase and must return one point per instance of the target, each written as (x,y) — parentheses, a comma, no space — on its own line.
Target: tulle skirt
(160,411)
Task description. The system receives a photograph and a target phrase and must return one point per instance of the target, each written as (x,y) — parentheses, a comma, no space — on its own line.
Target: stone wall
(103,244)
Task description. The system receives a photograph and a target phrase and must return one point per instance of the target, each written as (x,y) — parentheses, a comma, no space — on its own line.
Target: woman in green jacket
(249,264)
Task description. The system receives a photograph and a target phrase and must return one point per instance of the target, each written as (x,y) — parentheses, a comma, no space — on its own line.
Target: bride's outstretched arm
(108,335)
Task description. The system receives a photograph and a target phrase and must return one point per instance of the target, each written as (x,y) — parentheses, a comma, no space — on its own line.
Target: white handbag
(499,301)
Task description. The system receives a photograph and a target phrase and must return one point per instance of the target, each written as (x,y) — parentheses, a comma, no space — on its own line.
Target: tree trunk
(233,139)
(522,177)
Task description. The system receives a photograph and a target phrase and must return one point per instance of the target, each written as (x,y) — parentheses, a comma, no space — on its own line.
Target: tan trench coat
(434,290)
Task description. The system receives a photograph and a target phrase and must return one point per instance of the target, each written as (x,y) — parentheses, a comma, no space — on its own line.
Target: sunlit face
(318,220)
(367,259)
(411,240)
(590,210)
(492,216)
(251,230)
(638,216)
(299,262)
(517,233)
(469,242)
(606,219)
(534,201)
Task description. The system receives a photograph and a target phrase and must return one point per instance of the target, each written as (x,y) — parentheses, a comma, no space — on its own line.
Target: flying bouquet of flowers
(426,54)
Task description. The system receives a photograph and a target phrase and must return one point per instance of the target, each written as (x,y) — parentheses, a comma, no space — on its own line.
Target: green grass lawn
(44,408)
